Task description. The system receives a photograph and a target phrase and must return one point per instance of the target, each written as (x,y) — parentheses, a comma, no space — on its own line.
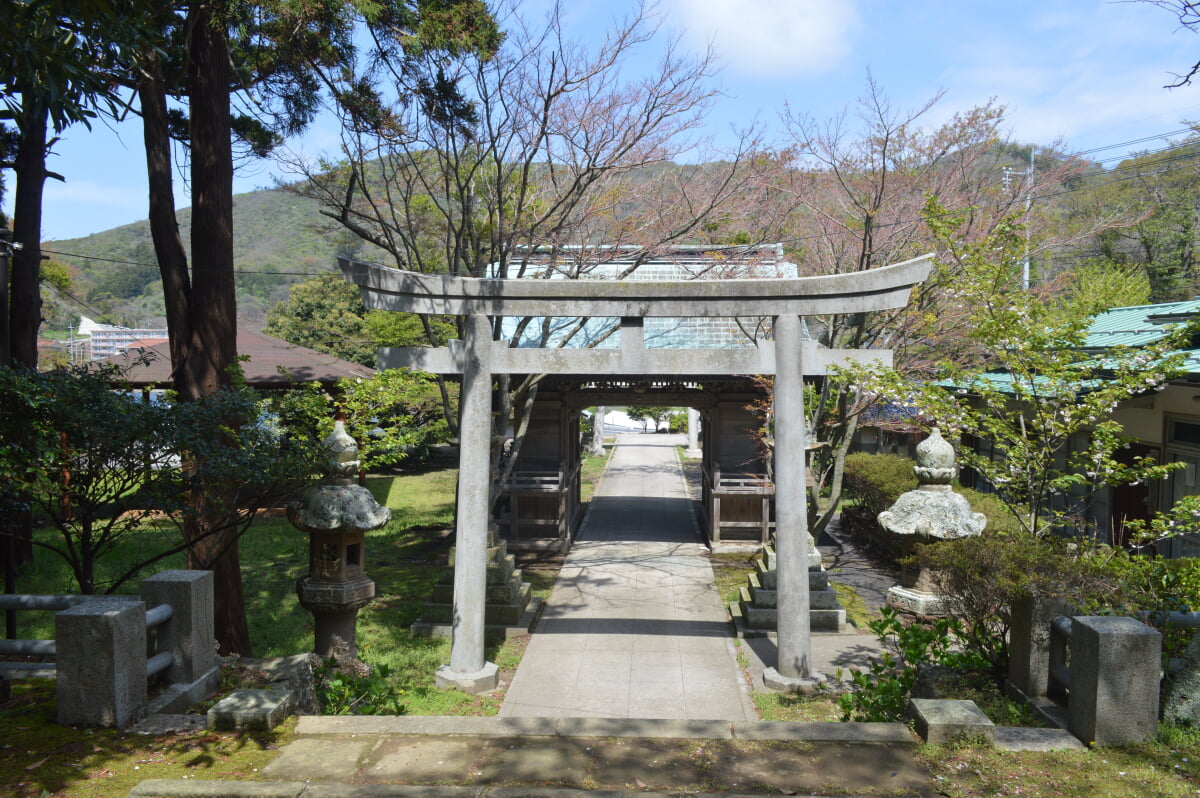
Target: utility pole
(1027,174)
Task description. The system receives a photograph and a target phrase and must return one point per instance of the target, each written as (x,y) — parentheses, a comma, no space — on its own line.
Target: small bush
(984,575)
(871,484)
(1000,520)
(881,693)
(347,685)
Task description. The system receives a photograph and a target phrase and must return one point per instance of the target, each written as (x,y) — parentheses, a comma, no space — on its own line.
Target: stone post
(1029,644)
(467,669)
(693,432)
(1115,666)
(101,662)
(189,635)
(793,671)
(598,431)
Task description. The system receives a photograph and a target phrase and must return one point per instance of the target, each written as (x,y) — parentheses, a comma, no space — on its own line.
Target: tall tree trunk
(164,226)
(212,346)
(25,296)
(25,302)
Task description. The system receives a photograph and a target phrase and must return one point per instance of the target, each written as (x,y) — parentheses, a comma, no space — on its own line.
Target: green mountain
(279,238)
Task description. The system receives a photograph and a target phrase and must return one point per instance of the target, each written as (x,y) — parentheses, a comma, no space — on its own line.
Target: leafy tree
(393,415)
(388,328)
(326,314)
(1041,390)
(273,50)
(648,415)
(1155,197)
(100,464)
(49,80)
(857,195)
(543,144)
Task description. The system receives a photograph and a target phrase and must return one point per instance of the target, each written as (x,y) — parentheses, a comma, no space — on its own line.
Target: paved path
(634,627)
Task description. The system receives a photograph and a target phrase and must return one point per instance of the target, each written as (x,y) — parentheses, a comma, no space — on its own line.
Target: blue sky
(1086,73)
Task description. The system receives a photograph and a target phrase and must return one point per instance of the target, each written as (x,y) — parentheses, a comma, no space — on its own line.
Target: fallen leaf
(97,749)
(640,783)
(786,791)
(37,763)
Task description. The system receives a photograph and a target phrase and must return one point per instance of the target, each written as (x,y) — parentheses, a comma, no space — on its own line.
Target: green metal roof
(1138,325)
(1134,326)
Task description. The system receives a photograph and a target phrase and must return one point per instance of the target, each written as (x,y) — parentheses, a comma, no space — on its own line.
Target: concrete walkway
(634,627)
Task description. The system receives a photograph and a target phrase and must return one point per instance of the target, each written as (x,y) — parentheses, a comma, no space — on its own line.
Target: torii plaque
(789,358)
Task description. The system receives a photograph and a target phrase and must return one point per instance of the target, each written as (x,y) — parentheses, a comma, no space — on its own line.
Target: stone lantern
(336,513)
(931,513)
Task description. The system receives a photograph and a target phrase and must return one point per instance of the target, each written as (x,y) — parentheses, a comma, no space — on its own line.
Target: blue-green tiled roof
(1138,325)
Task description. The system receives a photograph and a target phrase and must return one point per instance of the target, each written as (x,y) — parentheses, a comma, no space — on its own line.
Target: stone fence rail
(1097,676)
(108,648)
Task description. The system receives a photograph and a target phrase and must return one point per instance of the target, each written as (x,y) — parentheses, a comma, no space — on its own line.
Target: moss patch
(39,758)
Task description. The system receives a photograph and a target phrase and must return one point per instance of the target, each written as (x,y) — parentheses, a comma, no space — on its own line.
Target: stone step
(492,632)
(506,614)
(767,619)
(500,593)
(770,561)
(496,574)
(763,598)
(817,580)
(495,554)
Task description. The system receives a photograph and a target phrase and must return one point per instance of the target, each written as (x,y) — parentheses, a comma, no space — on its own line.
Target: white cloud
(1092,77)
(774,38)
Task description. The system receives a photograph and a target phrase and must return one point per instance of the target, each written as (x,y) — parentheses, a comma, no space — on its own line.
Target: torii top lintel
(885,288)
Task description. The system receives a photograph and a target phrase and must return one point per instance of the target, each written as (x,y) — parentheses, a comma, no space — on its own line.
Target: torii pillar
(793,671)
(789,357)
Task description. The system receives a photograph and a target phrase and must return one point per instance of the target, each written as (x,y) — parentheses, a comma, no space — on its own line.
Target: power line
(798,239)
(120,262)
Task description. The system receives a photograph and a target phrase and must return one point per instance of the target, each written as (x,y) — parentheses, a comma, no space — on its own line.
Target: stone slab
(259,708)
(320,759)
(917,602)
(197,788)
(421,760)
(818,732)
(387,791)
(177,697)
(633,727)
(1017,738)
(424,724)
(819,619)
(491,632)
(940,720)
(769,599)
(170,724)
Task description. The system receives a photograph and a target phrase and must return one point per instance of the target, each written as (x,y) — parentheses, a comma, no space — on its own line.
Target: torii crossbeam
(477,358)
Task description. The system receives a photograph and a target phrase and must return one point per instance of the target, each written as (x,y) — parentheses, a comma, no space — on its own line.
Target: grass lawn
(405,559)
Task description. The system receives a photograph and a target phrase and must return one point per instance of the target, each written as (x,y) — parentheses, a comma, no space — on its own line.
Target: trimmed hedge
(873,482)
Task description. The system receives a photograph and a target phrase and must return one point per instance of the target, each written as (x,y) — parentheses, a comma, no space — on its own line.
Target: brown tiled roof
(272,363)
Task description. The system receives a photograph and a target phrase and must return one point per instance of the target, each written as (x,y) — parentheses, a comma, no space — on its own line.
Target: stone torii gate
(789,357)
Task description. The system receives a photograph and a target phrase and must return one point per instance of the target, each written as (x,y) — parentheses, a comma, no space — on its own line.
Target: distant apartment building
(108,340)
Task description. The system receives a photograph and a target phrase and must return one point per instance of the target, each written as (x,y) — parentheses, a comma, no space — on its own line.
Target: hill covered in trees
(280,238)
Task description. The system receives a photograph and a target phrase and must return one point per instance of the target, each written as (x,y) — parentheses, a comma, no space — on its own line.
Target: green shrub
(349,686)
(881,693)
(1000,520)
(984,575)
(870,485)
